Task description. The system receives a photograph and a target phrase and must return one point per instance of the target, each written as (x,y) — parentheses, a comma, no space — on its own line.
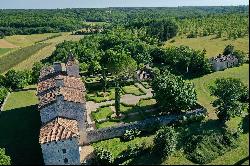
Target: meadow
(214,46)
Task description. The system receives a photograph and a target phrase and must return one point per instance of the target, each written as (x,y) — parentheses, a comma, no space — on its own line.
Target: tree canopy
(173,93)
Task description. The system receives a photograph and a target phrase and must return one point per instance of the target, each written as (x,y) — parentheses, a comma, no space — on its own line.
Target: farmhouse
(222,62)
(62,110)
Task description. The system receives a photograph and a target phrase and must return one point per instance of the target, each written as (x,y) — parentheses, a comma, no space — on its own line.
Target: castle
(222,62)
(62,109)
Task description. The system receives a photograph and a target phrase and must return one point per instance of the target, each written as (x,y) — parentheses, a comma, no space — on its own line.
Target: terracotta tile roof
(47,98)
(45,85)
(72,82)
(46,71)
(71,94)
(58,129)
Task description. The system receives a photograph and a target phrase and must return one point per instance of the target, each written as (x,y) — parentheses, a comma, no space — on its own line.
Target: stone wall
(62,108)
(63,152)
(71,110)
(117,131)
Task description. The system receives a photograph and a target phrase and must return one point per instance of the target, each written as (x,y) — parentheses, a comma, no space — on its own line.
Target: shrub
(202,149)
(165,141)
(130,134)
(131,152)
(103,157)
(4,159)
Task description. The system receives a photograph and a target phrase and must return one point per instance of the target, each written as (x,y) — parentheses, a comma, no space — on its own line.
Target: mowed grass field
(20,126)
(214,46)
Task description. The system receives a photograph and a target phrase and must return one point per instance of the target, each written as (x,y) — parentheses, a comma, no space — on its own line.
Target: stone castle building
(222,62)
(62,110)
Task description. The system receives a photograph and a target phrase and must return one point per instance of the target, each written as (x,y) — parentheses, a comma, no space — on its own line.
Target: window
(64,150)
(65,160)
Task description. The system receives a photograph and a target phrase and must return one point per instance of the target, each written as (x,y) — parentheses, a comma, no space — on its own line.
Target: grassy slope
(202,84)
(213,46)
(19,125)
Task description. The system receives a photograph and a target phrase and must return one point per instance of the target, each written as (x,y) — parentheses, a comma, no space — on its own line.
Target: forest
(20,21)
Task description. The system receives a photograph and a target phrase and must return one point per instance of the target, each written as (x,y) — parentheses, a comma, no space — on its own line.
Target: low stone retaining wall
(119,130)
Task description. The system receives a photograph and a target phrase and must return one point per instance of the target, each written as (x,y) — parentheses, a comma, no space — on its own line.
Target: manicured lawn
(97,97)
(132,89)
(19,128)
(23,98)
(202,85)
(145,84)
(102,113)
(212,45)
(105,124)
(146,102)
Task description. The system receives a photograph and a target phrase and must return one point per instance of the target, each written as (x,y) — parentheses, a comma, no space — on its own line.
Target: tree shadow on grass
(19,130)
(245,124)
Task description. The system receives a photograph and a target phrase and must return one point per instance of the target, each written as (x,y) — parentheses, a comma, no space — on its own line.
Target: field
(19,127)
(10,60)
(29,41)
(213,45)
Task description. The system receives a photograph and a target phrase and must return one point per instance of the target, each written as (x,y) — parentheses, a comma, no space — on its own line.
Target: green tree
(229,92)
(3,94)
(165,142)
(173,93)
(228,49)
(17,79)
(4,159)
(240,55)
(36,68)
(122,66)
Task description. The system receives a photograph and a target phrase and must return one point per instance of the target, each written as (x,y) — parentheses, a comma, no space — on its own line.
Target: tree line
(20,21)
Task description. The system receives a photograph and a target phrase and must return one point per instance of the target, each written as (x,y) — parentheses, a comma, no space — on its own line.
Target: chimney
(57,67)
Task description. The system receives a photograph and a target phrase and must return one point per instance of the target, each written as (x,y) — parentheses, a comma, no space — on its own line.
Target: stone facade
(63,152)
(222,62)
(62,108)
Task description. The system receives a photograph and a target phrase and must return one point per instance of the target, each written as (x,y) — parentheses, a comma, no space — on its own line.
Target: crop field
(214,46)
(10,60)
(28,41)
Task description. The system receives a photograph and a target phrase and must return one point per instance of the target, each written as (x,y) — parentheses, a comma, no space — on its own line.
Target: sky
(52,4)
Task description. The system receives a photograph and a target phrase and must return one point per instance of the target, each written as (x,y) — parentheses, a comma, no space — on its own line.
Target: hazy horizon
(54,4)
